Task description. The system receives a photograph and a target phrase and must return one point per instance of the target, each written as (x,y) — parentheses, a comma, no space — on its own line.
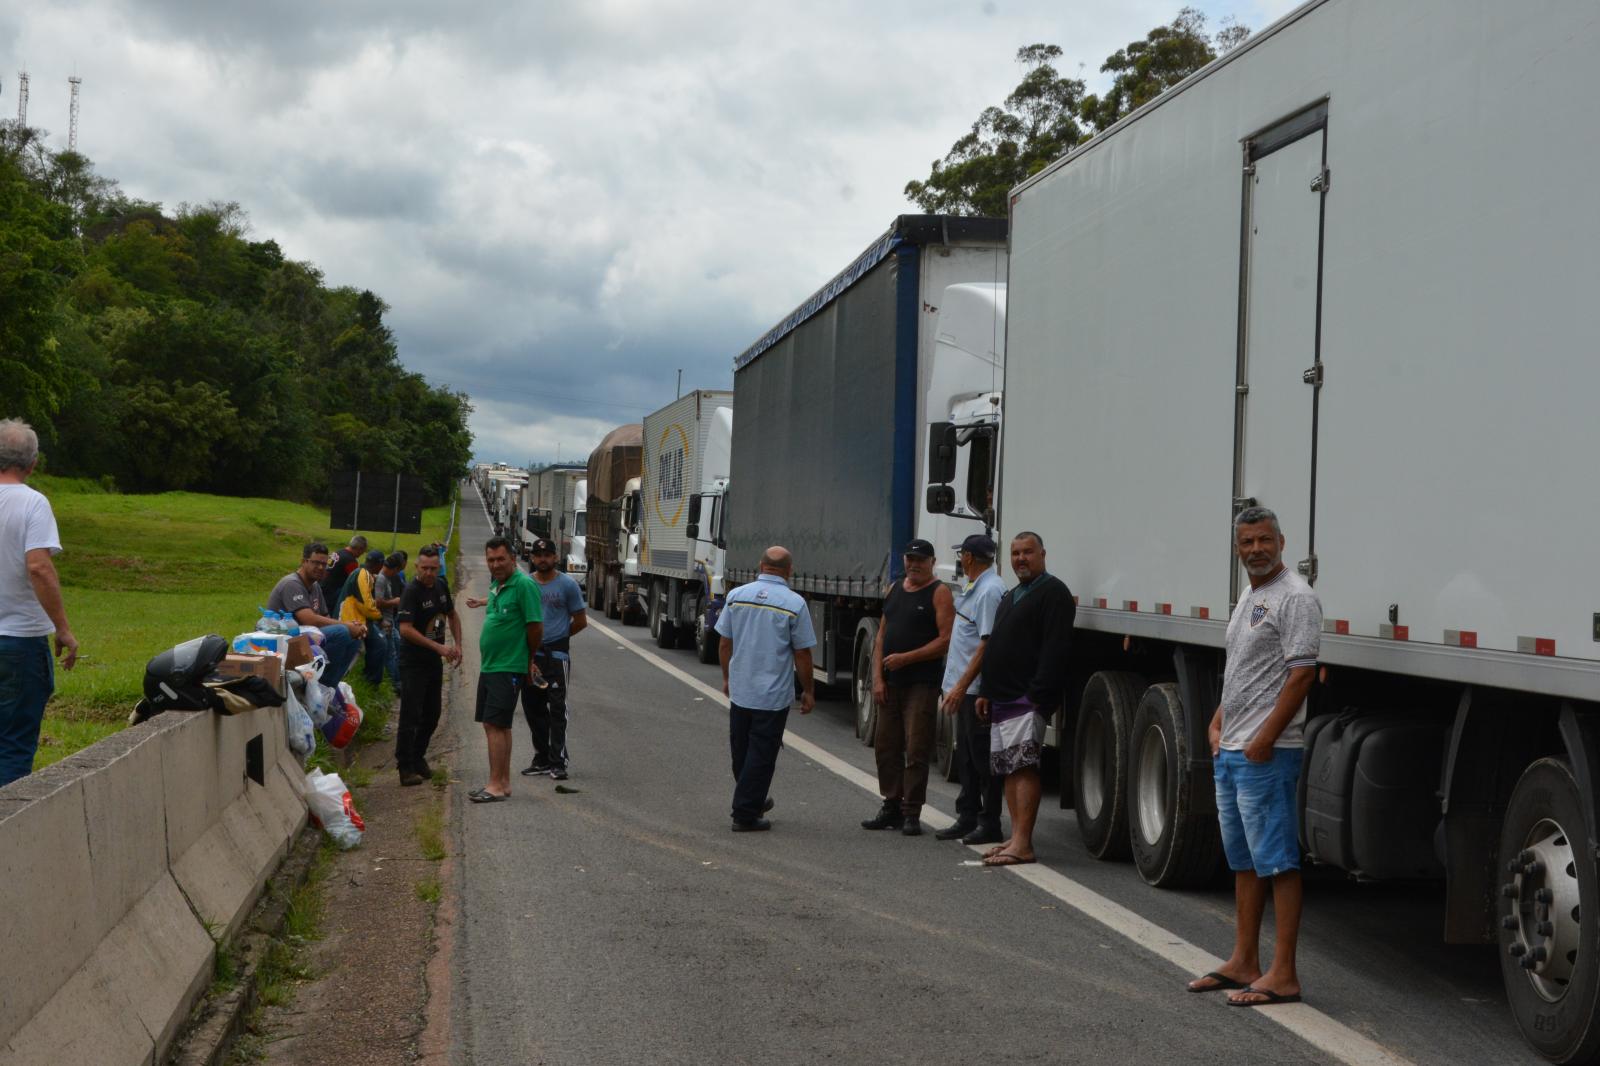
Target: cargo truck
(687,446)
(549,509)
(836,405)
(1344,272)
(612,540)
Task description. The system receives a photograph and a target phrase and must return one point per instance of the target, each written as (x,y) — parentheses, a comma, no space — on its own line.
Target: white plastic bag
(302,734)
(333,809)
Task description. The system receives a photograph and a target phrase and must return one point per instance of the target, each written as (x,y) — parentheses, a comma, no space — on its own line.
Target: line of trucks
(1344,272)
(548,502)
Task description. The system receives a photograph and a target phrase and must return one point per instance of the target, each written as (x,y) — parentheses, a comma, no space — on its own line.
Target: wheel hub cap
(1152,798)
(1544,918)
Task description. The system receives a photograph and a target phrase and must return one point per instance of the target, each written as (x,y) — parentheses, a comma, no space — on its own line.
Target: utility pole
(680,382)
(22,98)
(72,121)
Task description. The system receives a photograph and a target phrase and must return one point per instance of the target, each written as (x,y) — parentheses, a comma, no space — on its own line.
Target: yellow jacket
(363,606)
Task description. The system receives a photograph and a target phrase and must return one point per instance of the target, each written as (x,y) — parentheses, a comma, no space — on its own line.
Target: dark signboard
(376,501)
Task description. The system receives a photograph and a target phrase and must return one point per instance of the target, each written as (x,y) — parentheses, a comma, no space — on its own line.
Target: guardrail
(120,868)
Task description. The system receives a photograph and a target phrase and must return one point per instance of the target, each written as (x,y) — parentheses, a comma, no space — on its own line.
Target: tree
(1046,114)
(1007,144)
(37,260)
(1146,69)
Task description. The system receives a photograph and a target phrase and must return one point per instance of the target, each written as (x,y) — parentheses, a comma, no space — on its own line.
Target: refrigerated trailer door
(1280,369)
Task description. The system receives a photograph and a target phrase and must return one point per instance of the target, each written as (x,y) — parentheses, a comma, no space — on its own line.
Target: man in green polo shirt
(512,630)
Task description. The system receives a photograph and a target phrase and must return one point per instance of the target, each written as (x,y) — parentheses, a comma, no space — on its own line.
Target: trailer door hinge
(1323,181)
(1241,503)
(1313,376)
(1308,568)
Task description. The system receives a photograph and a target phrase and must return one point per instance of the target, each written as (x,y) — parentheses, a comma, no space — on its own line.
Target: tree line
(163,350)
(1047,115)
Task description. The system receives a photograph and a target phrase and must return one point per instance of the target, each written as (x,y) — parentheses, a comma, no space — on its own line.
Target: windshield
(581,526)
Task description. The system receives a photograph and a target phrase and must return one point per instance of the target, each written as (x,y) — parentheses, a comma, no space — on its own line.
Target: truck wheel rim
(1091,766)
(1152,776)
(1545,905)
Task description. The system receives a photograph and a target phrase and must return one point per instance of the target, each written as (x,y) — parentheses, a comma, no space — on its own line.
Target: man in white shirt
(30,603)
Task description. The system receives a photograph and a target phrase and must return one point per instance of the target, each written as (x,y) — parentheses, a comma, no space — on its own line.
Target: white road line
(1331,1037)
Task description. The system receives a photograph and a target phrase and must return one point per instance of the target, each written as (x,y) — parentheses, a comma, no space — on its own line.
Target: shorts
(1256,804)
(497,699)
(1016,736)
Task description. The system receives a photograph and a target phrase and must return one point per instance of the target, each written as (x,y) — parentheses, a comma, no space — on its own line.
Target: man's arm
(580,622)
(808,685)
(1290,697)
(454,621)
(576,610)
(944,611)
(1049,681)
(725,653)
(958,692)
(880,687)
(535,638)
(47,588)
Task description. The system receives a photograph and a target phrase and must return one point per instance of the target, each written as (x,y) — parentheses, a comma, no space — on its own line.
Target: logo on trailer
(669,474)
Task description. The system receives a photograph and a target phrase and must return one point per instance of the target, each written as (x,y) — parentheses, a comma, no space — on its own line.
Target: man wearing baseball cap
(545,706)
(360,607)
(978,806)
(907,665)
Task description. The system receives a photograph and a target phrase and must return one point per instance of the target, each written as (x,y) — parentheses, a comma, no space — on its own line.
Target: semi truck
(687,449)
(1343,272)
(612,541)
(577,546)
(550,509)
(837,405)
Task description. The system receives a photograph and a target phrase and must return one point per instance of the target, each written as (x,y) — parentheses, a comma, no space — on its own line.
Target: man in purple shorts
(1274,637)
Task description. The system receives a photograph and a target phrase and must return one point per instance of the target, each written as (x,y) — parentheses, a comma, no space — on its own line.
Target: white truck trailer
(1344,272)
(549,509)
(687,460)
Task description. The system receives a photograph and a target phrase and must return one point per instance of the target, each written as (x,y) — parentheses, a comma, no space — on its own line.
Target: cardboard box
(299,652)
(267,667)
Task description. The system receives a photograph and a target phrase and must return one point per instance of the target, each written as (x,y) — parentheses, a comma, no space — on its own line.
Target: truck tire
(861,684)
(1172,830)
(1100,766)
(688,637)
(1550,915)
(706,639)
(944,744)
(613,599)
(662,628)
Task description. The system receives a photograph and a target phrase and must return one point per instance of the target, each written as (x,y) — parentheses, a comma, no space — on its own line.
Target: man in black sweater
(1024,676)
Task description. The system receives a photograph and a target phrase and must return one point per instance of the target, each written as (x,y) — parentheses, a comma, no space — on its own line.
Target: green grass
(430,832)
(142,573)
(428,891)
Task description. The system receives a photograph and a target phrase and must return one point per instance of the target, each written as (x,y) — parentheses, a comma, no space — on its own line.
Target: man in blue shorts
(1274,638)
(545,706)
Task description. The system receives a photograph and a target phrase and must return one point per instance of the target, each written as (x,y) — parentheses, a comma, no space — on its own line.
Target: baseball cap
(920,547)
(540,545)
(979,545)
(374,556)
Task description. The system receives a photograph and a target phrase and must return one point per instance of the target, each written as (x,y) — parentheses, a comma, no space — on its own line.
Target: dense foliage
(170,351)
(1046,115)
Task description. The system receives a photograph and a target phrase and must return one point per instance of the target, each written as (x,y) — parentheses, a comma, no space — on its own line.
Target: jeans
(546,712)
(421,700)
(341,649)
(903,744)
(392,661)
(1256,807)
(981,791)
(27,677)
(754,738)
(375,654)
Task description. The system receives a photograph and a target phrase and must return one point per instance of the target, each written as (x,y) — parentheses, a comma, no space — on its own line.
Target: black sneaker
(760,825)
(912,826)
(558,773)
(537,768)
(889,816)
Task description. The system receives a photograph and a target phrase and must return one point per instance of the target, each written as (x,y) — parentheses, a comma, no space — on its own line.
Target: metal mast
(72,121)
(22,98)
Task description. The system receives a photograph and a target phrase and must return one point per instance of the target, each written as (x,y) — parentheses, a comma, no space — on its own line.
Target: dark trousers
(421,696)
(754,737)
(546,712)
(27,677)
(376,653)
(982,792)
(903,744)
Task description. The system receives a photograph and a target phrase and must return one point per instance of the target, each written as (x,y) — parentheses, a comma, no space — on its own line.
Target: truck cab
(575,531)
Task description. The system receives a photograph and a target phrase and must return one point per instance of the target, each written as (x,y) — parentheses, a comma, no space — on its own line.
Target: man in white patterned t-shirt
(30,603)
(1274,637)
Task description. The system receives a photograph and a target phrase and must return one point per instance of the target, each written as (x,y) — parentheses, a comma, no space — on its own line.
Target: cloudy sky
(563,203)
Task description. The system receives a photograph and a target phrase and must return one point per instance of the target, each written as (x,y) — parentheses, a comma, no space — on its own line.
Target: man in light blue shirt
(545,706)
(978,805)
(766,643)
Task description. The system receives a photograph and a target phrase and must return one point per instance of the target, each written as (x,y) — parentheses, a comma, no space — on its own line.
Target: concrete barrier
(119,864)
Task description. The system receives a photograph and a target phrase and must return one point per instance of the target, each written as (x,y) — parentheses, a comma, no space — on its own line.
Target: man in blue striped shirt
(766,643)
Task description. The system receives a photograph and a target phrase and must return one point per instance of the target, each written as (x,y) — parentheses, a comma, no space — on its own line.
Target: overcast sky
(563,203)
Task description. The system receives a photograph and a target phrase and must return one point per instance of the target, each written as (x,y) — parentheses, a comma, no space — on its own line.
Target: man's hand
(533,672)
(452,655)
(1214,732)
(982,709)
(724,684)
(808,700)
(474,602)
(953,698)
(1258,750)
(880,691)
(895,660)
(358,630)
(67,643)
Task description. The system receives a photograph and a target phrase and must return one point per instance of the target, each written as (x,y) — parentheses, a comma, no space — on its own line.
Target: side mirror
(941,499)
(941,453)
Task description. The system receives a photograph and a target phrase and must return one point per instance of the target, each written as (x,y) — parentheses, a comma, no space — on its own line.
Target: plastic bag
(302,734)
(344,716)
(333,810)
(313,694)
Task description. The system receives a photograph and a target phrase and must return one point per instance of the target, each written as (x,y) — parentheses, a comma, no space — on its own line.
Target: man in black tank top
(907,666)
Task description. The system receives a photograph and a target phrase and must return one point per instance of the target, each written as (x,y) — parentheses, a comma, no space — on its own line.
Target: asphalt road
(623,922)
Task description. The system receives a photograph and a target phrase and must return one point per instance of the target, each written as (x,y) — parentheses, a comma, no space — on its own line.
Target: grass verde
(142,573)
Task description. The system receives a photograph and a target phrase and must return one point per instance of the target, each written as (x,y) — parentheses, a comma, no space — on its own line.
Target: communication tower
(72,121)
(22,98)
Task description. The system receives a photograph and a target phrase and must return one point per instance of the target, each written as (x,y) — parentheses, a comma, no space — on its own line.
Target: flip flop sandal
(1220,982)
(1004,859)
(1273,999)
(483,795)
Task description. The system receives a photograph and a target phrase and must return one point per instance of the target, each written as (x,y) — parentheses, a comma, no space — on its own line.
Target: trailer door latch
(1323,181)
(1307,568)
(1313,376)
